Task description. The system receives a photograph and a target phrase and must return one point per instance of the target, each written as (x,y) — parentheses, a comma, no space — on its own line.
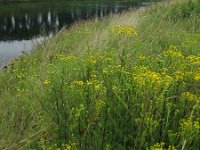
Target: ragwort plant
(104,101)
(134,92)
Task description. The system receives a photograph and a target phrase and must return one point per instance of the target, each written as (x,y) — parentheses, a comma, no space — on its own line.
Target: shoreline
(17,22)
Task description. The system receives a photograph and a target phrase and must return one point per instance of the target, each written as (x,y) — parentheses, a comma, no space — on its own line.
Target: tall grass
(129,81)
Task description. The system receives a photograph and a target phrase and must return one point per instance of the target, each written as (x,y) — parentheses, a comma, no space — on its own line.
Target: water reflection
(10,50)
(19,23)
(51,19)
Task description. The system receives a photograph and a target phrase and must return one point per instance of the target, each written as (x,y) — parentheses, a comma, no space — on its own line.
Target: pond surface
(24,24)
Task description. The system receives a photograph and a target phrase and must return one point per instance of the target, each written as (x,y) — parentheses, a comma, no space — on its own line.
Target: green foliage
(132,87)
(183,11)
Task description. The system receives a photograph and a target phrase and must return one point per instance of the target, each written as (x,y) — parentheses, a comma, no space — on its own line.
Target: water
(24,24)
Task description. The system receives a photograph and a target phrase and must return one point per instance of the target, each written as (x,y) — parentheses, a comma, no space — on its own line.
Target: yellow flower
(188,125)
(94,76)
(92,82)
(197,76)
(46,82)
(141,58)
(193,59)
(144,75)
(173,48)
(92,60)
(89,82)
(68,147)
(151,121)
(189,74)
(158,146)
(171,147)
(191,96)
(175,54)
(127,30)
(179,75)
(79,83)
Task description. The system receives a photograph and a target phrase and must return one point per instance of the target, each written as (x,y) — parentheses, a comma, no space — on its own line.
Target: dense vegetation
(129,81)
(68,0)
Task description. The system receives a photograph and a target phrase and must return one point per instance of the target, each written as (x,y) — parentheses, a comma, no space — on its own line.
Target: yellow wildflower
(92,60)
(158,146)
(46,82)
(193,59)
(174,54)
(68,147)
(79,83)
(178,75)
(171,147)
(92,82)
(94,76)
(197,76)
(146,76)
(151,121)
(191,96)
(89,82)
(187,125)
(141,58)
(173,48)
(127,30)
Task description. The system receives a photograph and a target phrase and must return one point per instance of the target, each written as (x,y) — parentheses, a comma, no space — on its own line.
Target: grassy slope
(91,88)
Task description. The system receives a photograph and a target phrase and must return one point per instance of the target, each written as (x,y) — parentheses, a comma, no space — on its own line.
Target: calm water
(24,24)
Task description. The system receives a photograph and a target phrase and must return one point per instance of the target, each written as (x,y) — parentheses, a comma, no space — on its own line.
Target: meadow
(128,81)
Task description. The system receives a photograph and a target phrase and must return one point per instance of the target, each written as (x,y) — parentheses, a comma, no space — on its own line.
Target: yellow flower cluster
(92,59)
(191,97)
(160,146)
(174,53)
(151,121)
(141,69)
(22,90)
(179,75)
(179,66)
(112,68)
(127,30)
(197,76)
(80,83)
(96,84)
(145,76)
(65,58)
(77,111)
(68,147)
(21,76)
(153,77)
(193,59)
(187,125)
(141,58)
(46,82)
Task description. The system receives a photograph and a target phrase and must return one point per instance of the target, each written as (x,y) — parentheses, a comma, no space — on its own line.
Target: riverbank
(128,81)
(8,1)
(27,21)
